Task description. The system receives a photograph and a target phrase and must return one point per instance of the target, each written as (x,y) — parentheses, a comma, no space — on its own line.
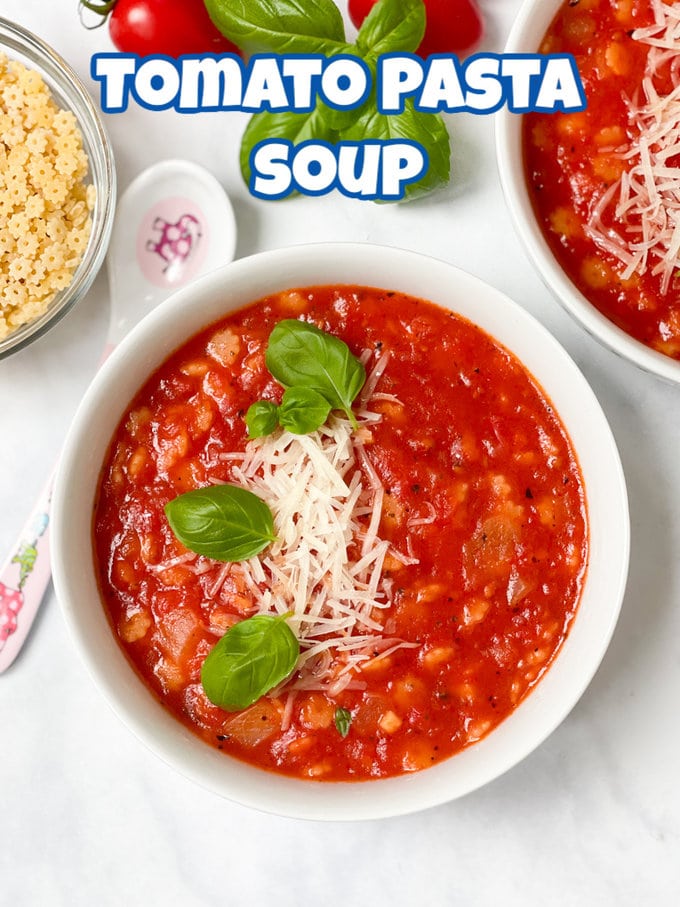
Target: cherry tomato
(171,27)
(453,26)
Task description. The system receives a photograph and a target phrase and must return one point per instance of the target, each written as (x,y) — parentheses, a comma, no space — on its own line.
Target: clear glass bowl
(70,94)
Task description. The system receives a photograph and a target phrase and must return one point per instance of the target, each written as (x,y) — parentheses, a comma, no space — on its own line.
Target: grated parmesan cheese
(647,196)
(325,567)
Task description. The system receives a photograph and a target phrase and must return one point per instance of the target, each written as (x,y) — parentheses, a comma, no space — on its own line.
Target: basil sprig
(223,522)
(288,26)
(302,411)
(319,372)
(300,355)
(251,658)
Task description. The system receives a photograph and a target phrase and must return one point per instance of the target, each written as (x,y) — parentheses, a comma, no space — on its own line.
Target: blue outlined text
(367,170)
(483,83)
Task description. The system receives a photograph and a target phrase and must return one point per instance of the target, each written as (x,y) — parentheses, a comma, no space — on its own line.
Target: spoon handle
(24,578)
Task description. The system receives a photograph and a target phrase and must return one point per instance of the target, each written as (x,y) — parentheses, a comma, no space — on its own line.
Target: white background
(88,816)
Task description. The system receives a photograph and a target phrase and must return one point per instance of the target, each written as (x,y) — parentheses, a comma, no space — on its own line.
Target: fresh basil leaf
(300,355)
(281,26)
(343,720)
(337,119)
(295,127)
(428,129)
(391,26)
(251,658)
(224,522)
(303,410)
(262,418)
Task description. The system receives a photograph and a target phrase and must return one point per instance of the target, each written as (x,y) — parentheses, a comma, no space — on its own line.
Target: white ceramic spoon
(173,222)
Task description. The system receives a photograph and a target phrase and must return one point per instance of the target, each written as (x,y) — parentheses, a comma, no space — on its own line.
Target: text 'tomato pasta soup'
(604,181)
(429,545)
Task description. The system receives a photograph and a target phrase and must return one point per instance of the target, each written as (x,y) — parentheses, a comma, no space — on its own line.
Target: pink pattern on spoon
(172,242)
(30,564)
(11,602)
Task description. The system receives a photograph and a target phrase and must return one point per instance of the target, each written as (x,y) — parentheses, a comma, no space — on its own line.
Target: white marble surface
(88,816)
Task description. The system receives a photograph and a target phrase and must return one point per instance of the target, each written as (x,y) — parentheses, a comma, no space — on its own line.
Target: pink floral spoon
(173,223)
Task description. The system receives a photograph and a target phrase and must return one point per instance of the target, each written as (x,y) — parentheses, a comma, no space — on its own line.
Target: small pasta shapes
(36,141)
(53,256)
(45,203)
(20,269)
(35,206)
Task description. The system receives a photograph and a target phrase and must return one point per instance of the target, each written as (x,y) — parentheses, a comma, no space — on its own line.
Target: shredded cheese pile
(648,194)
(325,567)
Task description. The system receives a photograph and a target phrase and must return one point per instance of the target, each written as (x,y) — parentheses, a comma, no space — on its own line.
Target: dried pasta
(45,199)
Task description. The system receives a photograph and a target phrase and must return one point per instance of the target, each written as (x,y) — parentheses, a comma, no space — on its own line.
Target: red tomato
(453,26)
(171,27)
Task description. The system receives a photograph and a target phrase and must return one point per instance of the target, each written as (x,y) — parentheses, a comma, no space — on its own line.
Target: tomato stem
(101,7)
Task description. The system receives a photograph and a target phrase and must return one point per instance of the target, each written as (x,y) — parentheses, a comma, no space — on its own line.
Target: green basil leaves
(343,720)
(224,522)
(392,27)
(229,523)
(262,418)
(251,658)
(320,374)
(283,124)
(299,354)
(316,27)
(429,131)
(282,27)
(303,410)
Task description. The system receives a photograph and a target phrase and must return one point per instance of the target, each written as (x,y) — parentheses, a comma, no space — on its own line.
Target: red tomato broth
(500,568)
(572,159)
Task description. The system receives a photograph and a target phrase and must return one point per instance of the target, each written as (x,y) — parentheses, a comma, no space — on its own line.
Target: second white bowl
(526,36)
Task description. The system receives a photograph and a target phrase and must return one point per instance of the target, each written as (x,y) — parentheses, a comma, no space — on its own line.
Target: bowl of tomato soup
(350,609)
(594,193)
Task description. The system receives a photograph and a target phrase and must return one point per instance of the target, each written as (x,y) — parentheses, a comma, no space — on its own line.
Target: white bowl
(526,35)
(230,288)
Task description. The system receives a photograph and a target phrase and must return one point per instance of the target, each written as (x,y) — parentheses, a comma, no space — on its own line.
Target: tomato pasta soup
(421,546)
(604,181)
